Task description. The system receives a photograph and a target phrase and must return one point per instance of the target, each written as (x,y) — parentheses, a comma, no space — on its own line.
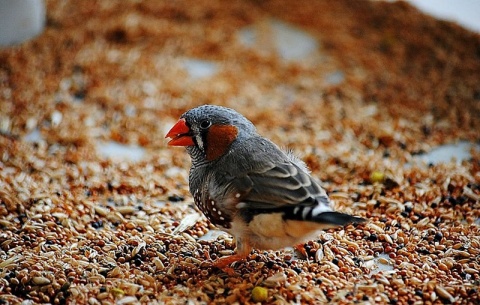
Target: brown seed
(471,271)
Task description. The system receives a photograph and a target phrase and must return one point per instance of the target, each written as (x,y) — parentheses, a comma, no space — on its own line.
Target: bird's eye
(205,124)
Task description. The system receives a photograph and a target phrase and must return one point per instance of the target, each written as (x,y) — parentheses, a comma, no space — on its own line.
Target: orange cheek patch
(219,139)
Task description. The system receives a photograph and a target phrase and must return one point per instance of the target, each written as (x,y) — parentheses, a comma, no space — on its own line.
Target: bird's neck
(197,156)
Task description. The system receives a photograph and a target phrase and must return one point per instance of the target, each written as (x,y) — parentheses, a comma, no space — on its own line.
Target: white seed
(339,195)
(372,287)
(444,294)
(333,266)
(138,248)
(189,237)
(93,301)
(383,280)
(101,210)
(367,258)
(375,228)
(387,238)
(470,194)
(383,260)
(56,118)
(40,280)
(11,260)
(415,281)
(275,279)
(327,281)
(319,255)
(369,264)
(102,295)
(127,300)
(328,252)
(225,252)
(126,210)
(158,264)
(187,222)
(423,222)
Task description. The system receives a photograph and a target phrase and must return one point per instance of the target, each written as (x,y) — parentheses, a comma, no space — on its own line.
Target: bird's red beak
(180,134)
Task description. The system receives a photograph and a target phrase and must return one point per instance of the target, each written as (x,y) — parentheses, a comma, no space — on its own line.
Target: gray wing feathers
(266,178)
(281,185)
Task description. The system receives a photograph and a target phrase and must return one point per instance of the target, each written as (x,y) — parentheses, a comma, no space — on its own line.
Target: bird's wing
(286,188)
(273,186)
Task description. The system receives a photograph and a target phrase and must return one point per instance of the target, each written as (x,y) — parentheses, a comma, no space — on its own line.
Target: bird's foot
(301,249)
(223,263)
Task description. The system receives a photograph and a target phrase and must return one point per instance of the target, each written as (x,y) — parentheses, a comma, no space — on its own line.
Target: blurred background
(380,98)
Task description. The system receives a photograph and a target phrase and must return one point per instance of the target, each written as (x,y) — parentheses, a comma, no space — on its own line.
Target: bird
(247,186)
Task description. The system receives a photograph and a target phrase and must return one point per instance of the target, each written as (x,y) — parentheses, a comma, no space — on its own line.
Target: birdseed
(79,227)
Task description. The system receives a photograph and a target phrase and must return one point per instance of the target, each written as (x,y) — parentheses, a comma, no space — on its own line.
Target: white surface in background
(380,267)
(20,20)
(197,68)
(120,152)
(335,78)
(290,42)
(464,12)
(111,150)
(34,136)
(446,153)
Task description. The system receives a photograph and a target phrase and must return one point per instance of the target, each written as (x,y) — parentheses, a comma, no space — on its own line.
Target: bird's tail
(337,218)
(321,215)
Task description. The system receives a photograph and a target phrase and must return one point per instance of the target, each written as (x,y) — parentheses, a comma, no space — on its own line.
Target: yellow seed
(377,176)
(259,294)
(117,292)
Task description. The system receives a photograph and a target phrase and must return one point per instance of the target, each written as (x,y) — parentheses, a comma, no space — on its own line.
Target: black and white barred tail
(320,214)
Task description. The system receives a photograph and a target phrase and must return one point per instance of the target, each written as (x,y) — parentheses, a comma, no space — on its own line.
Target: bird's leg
(301,248)
(243,249)
(224,262)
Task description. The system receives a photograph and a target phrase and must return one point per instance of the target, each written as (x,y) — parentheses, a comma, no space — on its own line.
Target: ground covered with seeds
(380,85)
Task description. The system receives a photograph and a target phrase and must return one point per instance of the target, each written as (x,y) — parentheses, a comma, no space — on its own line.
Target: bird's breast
(211,208)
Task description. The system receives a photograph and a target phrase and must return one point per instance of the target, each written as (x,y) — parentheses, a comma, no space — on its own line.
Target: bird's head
(208,131)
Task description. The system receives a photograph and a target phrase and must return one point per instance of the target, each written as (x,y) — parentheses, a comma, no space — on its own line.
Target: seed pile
(78,227)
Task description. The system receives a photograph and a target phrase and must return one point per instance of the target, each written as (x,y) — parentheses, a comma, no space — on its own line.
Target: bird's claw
(223,263)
